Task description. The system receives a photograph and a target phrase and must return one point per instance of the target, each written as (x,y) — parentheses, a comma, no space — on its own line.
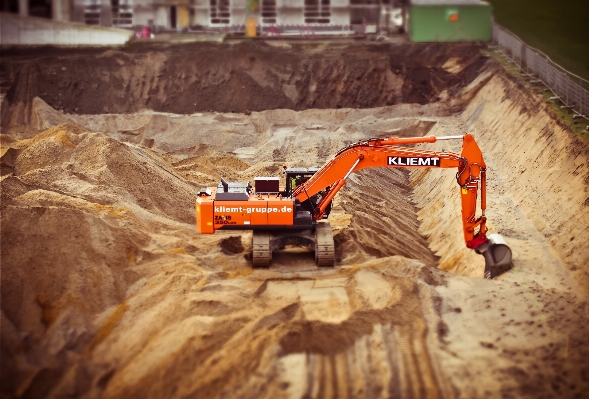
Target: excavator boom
(391,154)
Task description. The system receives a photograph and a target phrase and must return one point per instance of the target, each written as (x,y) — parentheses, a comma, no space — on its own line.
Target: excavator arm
(394,152)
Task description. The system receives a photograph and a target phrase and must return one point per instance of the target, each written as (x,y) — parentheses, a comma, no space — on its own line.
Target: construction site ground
(108,290)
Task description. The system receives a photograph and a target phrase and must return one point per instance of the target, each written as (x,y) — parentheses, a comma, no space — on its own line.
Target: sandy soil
(234,77)
(108,290)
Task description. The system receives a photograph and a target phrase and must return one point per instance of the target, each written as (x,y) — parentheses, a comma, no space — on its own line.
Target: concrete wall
(340,16)
(201,13)
(105,13)
(18,30)
(78,11)
(163,17)
(62,10)
(289,16)
(144,15)
(238,15)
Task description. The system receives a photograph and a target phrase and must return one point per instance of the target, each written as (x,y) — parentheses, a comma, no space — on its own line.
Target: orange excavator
(296,214)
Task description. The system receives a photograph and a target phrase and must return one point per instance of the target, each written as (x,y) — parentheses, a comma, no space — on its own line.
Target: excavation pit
(108,290)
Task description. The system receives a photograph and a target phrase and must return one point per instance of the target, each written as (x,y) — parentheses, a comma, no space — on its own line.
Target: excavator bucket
(497,256)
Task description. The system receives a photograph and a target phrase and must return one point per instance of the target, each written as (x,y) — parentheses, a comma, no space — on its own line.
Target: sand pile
(88,221)
(74,214)
(108,291)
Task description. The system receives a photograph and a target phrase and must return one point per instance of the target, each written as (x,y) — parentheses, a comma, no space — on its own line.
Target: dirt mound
(232,245)
(383,222)
(69,188)
(233,78)
(81,208)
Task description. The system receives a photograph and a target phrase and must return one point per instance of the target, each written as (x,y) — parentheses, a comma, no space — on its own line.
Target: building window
(92,12)
(317,11)
(9,6)
(220,12)
(40,8)
(269,11)
(122,13)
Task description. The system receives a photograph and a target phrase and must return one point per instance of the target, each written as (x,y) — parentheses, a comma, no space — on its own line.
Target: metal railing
(568,88)
(288,29)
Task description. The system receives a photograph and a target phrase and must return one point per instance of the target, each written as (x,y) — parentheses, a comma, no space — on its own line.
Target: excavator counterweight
(295,212)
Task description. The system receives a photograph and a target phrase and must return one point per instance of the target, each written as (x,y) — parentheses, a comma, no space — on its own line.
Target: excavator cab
(296,177)
(497,256)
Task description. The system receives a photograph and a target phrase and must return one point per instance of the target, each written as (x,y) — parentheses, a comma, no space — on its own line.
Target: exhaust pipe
(497,256)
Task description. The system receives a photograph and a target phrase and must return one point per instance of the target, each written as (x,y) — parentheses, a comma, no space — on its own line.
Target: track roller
(262,249)
(324,247)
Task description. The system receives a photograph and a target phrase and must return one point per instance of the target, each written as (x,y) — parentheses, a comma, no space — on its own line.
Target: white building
(205,14)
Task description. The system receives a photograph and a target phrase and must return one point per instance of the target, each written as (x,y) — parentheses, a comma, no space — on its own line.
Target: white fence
(303,30)
(16,30)
(567,87)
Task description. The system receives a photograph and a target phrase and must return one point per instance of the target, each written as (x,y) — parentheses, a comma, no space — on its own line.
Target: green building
(450,20)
